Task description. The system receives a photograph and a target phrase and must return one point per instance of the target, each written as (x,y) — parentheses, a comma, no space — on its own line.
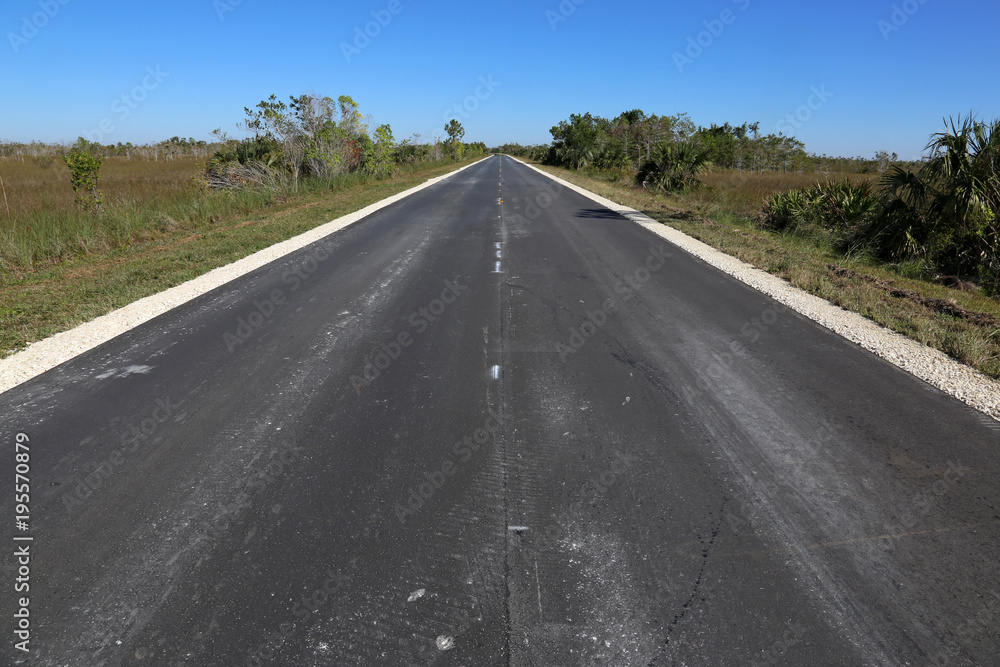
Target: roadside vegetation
(912,246)
(940,218)
(88,228)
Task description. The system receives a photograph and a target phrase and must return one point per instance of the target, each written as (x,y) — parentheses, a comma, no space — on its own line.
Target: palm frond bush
(673,166)
(943,215)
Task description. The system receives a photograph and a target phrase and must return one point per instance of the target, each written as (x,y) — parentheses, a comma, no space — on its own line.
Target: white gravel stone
(930,365)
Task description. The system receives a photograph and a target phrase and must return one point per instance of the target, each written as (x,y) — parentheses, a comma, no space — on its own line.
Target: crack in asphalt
(696,587)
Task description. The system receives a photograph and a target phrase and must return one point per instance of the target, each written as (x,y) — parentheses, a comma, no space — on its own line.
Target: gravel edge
(932,366)
(50,352)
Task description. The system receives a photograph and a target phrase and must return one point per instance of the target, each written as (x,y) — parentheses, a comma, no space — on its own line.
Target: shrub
(250,163)
(841,208)
(84,169)
(673,166)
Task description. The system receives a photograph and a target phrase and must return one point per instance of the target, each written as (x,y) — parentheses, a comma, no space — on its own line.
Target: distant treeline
(634,139)
(167,149)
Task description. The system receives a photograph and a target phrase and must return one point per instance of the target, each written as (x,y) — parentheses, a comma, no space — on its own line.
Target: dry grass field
(737,193)
(743,192)
(42,184)
(40,223)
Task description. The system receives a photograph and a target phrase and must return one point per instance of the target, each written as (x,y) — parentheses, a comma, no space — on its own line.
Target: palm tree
(950,206)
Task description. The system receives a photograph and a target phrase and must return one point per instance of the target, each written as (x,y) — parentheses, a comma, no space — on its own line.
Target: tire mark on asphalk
(696,587)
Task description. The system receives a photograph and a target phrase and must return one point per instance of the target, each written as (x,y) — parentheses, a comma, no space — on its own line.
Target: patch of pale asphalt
(934,367)
(615,631)
(46,354)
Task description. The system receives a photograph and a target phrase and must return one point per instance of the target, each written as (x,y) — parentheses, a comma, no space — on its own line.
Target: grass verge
(959,321)
(35,304)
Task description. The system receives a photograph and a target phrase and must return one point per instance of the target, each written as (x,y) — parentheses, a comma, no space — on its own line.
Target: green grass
(181,238)
(723,217)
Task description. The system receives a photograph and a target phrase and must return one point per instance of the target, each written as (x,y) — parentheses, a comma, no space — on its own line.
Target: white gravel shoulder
(928,364)
(48,353)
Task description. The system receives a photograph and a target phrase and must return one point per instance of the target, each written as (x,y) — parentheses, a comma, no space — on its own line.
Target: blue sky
(847,77)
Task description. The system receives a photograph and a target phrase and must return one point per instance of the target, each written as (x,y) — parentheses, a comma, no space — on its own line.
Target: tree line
(168,149)
(636,141)
(671,150)
(320,138)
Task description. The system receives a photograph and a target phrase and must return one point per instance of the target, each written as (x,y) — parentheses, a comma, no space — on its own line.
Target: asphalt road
(496,424)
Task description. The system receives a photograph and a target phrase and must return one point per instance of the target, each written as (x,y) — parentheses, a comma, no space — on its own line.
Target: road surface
(496,424)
